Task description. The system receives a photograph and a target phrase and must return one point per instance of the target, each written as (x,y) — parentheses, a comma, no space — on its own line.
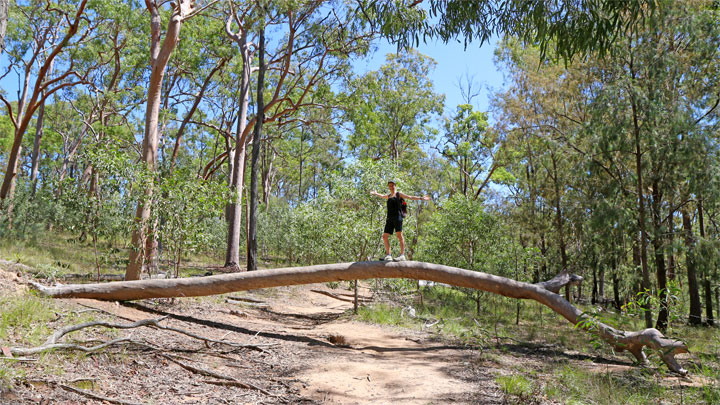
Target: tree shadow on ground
(552,352)
(228,327)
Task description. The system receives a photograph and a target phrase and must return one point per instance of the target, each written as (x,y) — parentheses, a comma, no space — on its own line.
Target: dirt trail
(374,364)
(333,360)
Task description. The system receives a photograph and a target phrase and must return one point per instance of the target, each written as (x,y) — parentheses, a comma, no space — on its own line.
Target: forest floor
(301,346)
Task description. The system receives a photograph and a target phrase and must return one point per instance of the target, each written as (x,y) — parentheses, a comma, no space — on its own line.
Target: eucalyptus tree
(41,32)
(311,50)
(160,52)
(662,92)
(391,108)
(473,148)
(307,146)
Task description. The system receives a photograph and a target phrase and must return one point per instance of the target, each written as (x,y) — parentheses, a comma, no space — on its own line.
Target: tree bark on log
(634,342)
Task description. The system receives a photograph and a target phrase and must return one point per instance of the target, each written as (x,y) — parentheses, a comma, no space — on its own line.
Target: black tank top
(393,207)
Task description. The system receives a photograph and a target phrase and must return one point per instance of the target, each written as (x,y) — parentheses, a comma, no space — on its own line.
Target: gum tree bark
(4,10)
(634,342)
(159,57)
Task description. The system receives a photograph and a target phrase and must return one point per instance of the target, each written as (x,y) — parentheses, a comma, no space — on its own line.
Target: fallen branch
(251,304)
(238,384)
(209,373)
(337,297)
(90,395)
(52,342)
(64,331)
(247,299)
(634,342)
(69,346)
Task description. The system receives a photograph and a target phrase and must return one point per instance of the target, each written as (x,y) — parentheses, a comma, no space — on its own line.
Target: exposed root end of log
(635,342)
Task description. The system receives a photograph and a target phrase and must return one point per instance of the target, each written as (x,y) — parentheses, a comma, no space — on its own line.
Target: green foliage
(391,109)
(464,233)
(516,385)
(189,215)
(342,224)
(561,29)
(472,149)
(576,385)
(382,314)
(24,319)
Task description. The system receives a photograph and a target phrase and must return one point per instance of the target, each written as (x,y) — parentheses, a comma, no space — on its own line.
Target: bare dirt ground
(306,350)
(284,345)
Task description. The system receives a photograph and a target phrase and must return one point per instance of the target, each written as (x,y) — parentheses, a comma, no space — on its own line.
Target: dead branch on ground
(209,373)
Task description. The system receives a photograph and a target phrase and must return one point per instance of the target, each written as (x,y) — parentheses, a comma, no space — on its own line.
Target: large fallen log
(634,342)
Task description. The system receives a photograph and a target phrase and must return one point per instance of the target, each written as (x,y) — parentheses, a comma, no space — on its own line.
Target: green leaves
(390,109)
(560,29)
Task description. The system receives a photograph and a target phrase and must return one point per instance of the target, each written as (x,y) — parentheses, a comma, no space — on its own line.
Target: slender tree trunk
(300,164)
(706,273)
(659,250)
(4,9)
(232,253)
(601,284)
(641,213)
(269,173)
(593,298)
(160,55)
(39,128)
(693,291)
(257,144)
(616,291)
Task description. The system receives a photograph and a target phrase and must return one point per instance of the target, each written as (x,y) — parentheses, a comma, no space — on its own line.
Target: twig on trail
(19,359)
(246,299)
(230,381)
(337,297)
(69,346)
(252,304)
(95,396)
(235,383)
(233,312)
(257,347)
(79,379)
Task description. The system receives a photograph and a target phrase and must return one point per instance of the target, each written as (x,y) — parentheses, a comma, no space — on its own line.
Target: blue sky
(453,62)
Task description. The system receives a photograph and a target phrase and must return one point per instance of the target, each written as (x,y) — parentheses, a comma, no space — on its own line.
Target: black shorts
(393,225)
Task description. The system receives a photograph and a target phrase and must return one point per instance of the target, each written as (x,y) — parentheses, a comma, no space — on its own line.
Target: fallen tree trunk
(634,342)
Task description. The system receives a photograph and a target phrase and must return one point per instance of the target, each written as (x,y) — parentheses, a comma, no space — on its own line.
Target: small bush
(516,385)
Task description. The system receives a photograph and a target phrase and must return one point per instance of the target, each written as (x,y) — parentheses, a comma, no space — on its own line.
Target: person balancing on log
(396,211)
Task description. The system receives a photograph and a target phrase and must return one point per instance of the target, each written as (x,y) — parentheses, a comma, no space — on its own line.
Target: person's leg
(386,241)
(402,242)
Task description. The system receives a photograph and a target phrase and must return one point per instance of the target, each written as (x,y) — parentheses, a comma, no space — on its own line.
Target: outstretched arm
(385,196)
(412,197)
